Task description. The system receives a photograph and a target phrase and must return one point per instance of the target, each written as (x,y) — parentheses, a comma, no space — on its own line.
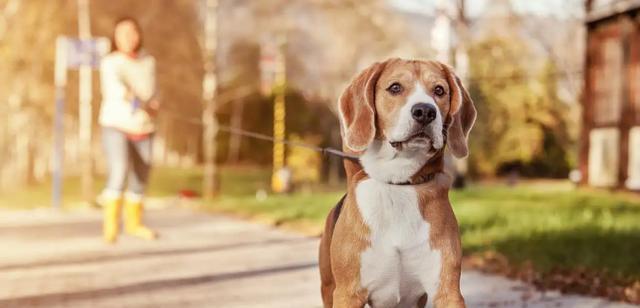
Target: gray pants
(128,162)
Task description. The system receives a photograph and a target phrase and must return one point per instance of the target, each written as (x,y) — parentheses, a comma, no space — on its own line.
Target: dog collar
(417,180)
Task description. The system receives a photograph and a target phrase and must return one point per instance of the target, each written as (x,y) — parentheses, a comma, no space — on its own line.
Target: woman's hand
(152,107)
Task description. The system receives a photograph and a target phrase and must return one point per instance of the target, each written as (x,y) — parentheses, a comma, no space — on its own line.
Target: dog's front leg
(349,240)
(345,263)
(345,297)
(348,292)
(449,299)
(448,293)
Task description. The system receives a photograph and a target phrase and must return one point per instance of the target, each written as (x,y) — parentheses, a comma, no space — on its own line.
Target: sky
(555,8)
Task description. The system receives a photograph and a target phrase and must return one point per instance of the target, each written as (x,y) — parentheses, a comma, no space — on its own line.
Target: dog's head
(400,113)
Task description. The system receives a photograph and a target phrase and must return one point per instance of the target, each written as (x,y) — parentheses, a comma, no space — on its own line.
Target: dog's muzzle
(424,113)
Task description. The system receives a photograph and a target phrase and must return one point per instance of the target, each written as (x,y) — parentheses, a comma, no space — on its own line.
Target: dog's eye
(395,88)
(438,91)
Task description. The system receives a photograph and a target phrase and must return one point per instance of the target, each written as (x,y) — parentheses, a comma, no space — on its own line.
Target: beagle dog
(393,241)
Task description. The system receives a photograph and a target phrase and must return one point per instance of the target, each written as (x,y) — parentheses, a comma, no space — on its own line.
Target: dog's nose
(423,113)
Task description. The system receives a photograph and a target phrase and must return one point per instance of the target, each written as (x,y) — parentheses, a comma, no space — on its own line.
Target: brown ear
(462,115)
(357,108)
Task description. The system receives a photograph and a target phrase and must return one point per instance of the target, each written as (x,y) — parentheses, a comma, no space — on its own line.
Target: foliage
(26,86)
(521,121)
(327,42)
(304,163)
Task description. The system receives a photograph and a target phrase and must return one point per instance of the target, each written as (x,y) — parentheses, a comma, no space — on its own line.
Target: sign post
(60,79)
(71,53)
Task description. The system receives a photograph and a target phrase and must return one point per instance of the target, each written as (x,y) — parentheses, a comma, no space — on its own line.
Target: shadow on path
(146,286)
(102,257)
(92,226)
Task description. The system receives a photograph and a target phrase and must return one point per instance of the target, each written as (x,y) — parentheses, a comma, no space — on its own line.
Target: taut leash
(259,136)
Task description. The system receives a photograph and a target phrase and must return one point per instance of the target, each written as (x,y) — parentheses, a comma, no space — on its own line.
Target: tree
(26,86)
(520,117)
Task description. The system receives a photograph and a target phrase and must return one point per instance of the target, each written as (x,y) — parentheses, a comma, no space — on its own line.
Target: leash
(246,133)
(326,150)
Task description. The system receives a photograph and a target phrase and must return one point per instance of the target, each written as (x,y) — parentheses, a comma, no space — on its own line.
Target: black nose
(423,113)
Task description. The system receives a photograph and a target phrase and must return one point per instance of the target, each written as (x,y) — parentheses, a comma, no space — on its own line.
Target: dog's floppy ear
(357,108)
(462,115)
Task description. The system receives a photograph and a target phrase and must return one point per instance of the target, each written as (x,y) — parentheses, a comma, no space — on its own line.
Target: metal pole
(209,85)
(85,110)
(60,79)
(279,113)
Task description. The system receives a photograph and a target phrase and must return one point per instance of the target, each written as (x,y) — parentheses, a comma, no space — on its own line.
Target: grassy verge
(581,241)
(548,233)
(236,182)
(554,227)
(164,182)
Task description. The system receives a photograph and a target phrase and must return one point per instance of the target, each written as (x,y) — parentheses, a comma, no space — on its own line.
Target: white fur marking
(400,265)
(383,162)
(406,125)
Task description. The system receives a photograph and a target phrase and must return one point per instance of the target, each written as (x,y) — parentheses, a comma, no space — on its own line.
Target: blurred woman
(127,113)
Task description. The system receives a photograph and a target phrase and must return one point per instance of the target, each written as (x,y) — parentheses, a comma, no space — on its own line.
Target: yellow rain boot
(111,220)
(133,221)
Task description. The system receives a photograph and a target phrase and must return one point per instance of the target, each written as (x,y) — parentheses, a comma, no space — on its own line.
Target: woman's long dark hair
(136,25)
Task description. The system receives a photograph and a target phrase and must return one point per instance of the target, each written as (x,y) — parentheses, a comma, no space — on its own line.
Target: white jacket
(122,79)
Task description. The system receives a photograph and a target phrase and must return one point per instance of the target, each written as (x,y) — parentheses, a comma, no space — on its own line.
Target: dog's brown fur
(366,114)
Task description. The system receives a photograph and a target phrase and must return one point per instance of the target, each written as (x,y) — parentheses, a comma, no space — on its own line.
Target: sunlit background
(548,195)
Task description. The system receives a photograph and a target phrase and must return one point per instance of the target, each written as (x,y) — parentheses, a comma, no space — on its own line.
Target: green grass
(39,195)
(553,226)
(164,182)
(303,211)
(549,224)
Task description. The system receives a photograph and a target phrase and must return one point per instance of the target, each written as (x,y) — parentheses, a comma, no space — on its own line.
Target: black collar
(417,180)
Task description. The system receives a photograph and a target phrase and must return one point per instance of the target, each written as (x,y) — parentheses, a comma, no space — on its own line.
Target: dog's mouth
(419,138)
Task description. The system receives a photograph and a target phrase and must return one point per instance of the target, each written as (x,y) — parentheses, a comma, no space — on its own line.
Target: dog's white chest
(400,265)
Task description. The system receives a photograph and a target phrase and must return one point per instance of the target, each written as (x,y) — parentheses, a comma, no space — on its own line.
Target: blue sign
(84,52)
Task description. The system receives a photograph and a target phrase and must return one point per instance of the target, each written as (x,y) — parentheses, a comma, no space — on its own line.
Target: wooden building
(610,138)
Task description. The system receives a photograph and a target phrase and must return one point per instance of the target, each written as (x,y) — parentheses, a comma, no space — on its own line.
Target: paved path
(53,259)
